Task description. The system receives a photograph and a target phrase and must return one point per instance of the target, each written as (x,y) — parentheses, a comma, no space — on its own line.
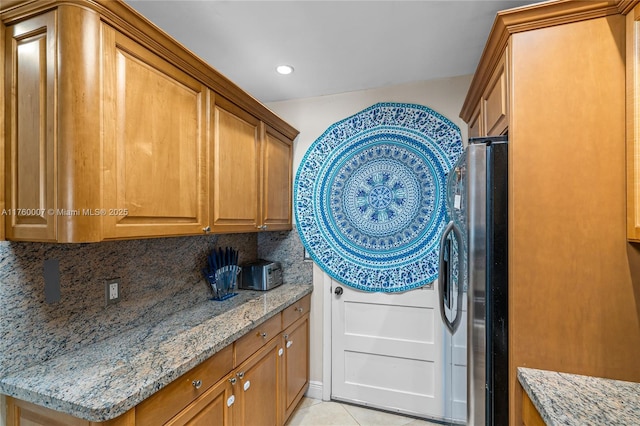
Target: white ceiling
(334,46)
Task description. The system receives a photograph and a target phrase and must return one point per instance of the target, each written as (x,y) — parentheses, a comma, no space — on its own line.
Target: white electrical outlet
(112,291)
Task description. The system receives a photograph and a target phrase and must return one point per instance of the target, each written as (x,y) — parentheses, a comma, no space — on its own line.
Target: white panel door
(387,350)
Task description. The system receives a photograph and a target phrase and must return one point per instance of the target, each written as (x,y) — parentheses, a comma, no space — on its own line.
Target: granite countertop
(102,381)
(571,399)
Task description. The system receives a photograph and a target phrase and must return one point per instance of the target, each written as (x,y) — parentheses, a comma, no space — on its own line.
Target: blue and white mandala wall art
(369,196)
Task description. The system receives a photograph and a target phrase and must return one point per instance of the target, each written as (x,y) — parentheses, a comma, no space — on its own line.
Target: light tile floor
(314,412)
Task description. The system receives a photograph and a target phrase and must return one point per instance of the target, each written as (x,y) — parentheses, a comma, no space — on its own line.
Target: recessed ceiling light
(284,69)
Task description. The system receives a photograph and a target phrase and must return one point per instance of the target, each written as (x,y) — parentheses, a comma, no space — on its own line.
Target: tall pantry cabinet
(573,297)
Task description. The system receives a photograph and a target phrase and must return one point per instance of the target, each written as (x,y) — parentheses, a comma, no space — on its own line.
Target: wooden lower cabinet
(261,389)
(257,388)
(209,409)
(530,415)
(163,405)
(21,413)
(296,364)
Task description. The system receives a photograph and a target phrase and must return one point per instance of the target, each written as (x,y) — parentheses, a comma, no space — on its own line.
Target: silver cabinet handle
(264,335)
(289,343)
(240,375)
(197,384)
(299,310)
(207,229)
(233,380)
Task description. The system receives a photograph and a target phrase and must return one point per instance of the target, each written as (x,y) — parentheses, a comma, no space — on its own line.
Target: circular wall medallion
(369,196)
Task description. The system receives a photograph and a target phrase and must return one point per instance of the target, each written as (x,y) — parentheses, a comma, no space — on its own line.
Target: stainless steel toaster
(261,275)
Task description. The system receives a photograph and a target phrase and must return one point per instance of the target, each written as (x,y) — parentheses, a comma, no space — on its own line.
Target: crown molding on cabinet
(529,18)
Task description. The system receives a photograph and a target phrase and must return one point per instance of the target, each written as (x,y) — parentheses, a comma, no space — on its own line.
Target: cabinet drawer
(296,311)
(255,339)
(166,403)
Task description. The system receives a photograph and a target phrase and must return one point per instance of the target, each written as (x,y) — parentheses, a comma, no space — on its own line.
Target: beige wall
(312,116)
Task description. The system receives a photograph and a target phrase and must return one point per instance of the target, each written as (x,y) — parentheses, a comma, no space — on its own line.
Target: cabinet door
(155,178)
(30,121)
(296,363)
(211,408)
(256,391)
(475,124)
(277,158)
(236,162)
(495,101)
(633,118)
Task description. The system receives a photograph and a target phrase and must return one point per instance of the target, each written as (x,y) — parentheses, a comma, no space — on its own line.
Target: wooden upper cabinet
(31,141)
(251,173)
(633,123)
(155,168)
(495,109)
(475,124)
(52,152)
(116,134)
(490,117)
(236,169)
(277,175)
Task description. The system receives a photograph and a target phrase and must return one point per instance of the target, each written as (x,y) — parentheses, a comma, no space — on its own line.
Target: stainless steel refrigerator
(474,263)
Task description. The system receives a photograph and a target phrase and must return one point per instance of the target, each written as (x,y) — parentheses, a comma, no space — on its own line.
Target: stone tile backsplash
(151,272)
(286,248)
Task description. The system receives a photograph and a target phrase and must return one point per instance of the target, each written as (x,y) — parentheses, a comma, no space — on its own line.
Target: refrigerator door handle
(452,326)
(444,275)
(461,274)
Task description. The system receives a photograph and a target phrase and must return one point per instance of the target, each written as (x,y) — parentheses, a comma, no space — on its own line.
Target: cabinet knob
(240,375)
(289,343)
(197,384)
(233,380)
(299,309)
(264,335)
(207,229)
(264,227)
